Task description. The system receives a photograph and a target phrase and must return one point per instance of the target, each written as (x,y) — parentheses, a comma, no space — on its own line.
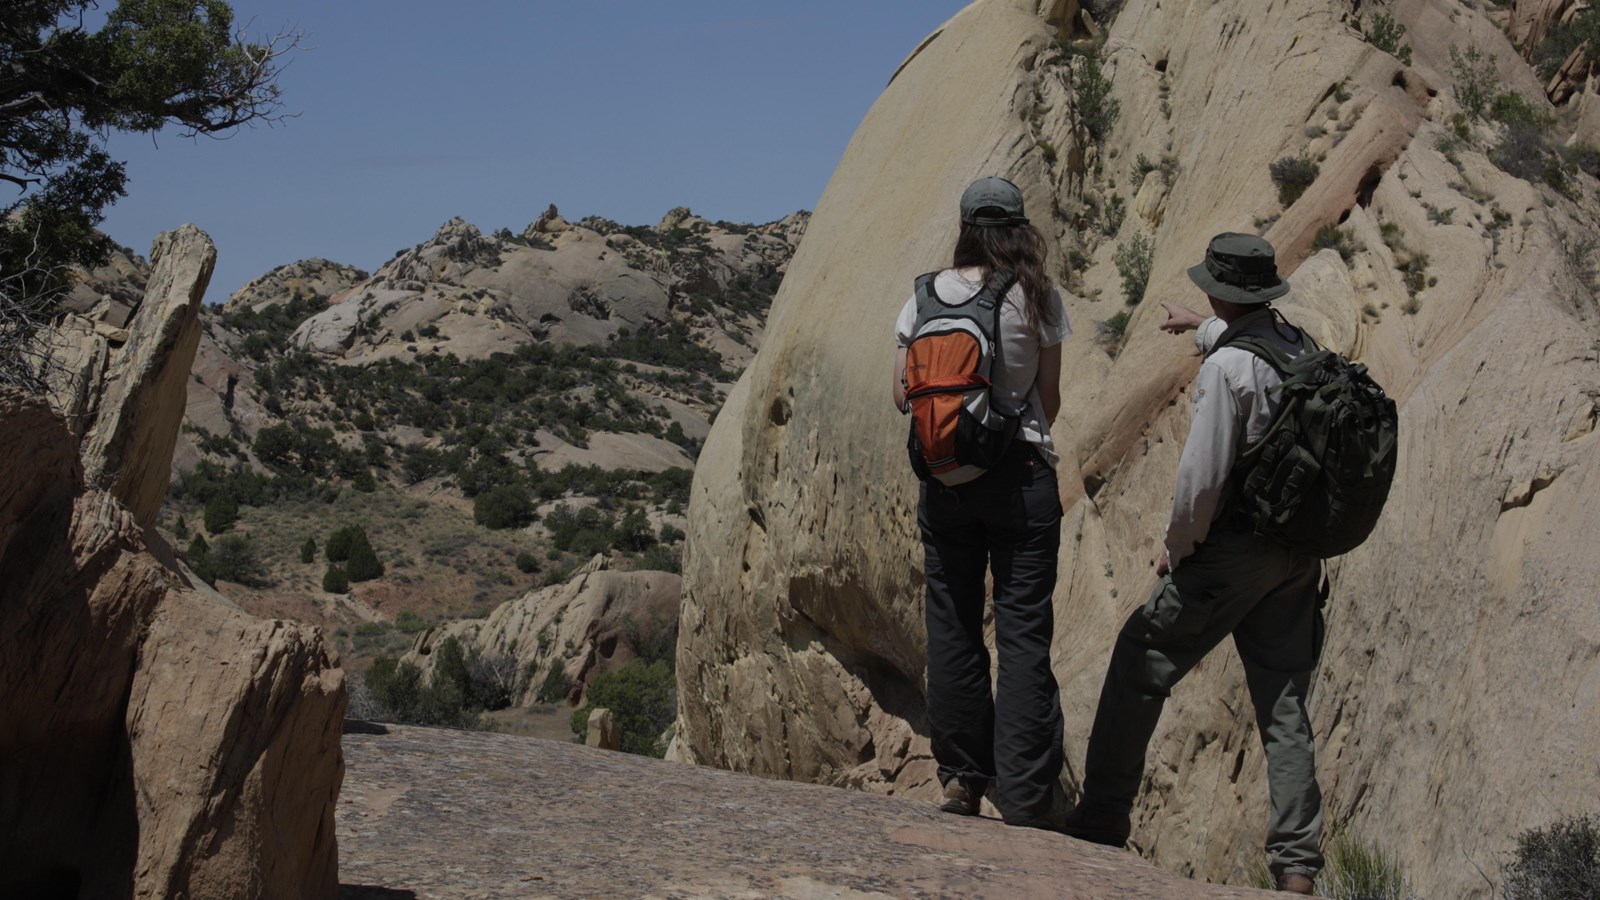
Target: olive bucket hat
(992,201)
(1239,268)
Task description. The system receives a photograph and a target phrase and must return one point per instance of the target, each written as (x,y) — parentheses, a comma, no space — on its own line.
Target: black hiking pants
(1007,521)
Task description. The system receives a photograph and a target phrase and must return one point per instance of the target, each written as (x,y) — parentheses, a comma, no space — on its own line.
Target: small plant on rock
(1292,175)
(1386,34)
(1332,237)
(1133,260)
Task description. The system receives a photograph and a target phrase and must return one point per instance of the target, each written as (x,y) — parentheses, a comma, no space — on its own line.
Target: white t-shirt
(1020,343)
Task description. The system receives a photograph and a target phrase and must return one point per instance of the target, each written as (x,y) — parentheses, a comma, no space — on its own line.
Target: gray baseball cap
(992,201)
(1239,268)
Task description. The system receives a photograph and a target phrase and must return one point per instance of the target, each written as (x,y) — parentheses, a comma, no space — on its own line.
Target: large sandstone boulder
(592,623)
(1453,706)
(156,743)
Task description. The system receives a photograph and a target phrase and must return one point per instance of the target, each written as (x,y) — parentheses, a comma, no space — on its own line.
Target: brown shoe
(1097,828)
(962,796)
(1294,883)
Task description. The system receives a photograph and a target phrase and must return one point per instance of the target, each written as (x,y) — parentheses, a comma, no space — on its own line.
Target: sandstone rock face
(603,732)
(592,624)
(1455,703)
(157,743)
(129,450)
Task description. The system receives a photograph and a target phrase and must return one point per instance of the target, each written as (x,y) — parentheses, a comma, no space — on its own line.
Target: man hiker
(1218,578)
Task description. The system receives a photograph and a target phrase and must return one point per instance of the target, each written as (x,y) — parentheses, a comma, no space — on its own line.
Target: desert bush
(1133,260)
(1560,861)
(1111,332)
(643,698)
(363,564)
(234,558)
(1475,77)
(555,686)
(1383,32)
(1582,30)
(221,511)
(527,563)
(335,580)
(503,506)
(1097,112)
(409,622)
(653,640)
(308,550)
(661,558)
(1332,237)
(1292,175)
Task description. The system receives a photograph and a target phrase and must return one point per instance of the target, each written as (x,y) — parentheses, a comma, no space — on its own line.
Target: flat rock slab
(428,813)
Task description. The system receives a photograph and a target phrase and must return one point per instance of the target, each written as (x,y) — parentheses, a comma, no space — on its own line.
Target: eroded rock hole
(1367,187)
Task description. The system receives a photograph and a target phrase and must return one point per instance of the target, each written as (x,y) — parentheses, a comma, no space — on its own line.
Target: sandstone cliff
(158,742)
(1456,703)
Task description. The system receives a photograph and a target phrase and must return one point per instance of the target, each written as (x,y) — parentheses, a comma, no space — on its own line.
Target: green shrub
(198,556)
(1560,861)
(1133,260)
(527,563)
(308,550)
(1385,33)
(221,511)
(503,506)
(1091,90)
(556,686)
(644,700)
(1332,237)
(363,564)
(1292,175)
(233,558)
(409,622)
(661,558)
(1476,78)
(335,581)
(1111,332)
(337,549)
(364,482)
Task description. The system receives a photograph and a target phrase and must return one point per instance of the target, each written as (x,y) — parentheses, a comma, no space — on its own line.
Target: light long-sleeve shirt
(1232,410)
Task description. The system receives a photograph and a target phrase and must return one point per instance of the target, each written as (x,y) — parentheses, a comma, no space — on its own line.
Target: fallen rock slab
(430,813)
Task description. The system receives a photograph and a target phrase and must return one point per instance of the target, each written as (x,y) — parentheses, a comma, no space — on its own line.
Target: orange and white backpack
(958,430)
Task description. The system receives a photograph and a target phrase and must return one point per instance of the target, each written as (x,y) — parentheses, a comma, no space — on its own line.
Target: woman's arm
(900,379)
(1048,381)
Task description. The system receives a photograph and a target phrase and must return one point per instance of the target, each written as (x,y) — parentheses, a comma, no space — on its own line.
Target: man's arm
(900,379)
(1180,318)
(1208,456)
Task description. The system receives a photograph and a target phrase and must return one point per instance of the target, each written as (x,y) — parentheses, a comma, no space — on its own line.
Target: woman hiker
(982,404)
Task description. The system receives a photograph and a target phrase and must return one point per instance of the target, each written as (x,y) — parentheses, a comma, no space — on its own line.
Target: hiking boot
(1294,883)
(962,796)
(1043,823)
(1097,828)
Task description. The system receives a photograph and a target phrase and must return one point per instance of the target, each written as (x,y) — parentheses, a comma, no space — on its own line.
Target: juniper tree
(65,85)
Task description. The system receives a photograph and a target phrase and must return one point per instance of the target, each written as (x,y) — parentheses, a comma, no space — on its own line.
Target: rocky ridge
(1466,289)
(158,741)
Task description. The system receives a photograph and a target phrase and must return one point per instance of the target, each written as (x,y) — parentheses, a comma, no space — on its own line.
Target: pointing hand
(1180,318)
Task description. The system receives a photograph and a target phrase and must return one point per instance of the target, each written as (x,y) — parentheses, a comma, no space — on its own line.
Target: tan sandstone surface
(157,741)
(431,814)
(1459,698)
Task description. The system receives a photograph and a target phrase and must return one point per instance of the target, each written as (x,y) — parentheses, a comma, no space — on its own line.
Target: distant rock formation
(1455,704)
(591,624)
(157,742)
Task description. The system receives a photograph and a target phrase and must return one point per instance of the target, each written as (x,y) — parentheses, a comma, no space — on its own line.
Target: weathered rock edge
(522,817)
(154,741)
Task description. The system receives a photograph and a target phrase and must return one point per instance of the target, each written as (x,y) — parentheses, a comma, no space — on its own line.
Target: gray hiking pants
(1266,597)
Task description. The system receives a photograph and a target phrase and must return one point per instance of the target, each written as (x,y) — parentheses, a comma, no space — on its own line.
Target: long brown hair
(1016,248)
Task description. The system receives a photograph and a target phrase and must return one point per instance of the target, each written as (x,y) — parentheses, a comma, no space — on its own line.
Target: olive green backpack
(1317,480)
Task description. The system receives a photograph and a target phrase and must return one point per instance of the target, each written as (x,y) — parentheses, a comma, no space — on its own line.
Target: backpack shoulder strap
(1274,355)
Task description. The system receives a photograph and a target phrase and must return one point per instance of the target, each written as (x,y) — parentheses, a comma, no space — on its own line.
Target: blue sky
(411,112)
